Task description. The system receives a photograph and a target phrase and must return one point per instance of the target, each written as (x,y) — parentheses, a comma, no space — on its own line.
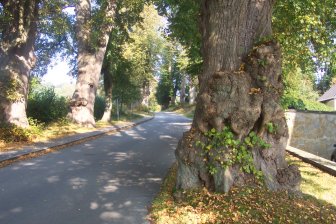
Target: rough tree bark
(108,96)
(18,34)
(240,88)
(90,59)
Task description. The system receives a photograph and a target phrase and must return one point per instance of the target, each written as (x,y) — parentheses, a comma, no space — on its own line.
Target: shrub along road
(111,179)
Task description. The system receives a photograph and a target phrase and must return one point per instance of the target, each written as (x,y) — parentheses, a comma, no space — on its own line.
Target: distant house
(329,97)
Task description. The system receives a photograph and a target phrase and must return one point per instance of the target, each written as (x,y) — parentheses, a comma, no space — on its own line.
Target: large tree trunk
(18,34)
(108,96)
(89,60)
(240,89)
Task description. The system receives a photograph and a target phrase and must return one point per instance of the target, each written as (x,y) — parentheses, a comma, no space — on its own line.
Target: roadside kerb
(319,162)
(55,146)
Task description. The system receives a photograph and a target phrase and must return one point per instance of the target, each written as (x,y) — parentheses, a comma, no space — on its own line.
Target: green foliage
(9,87)
(224,150)
(316,106)
(174,66)
(126,88)
(55,35)
(327,80)
(36,127)
(145,45)
(99,107)
(133,51)
(153,104)
(299,93)
(306,31)
(164,90)
(13,133)
(271,128)
(183,17)
(299,104)
(288,102)
(45,105)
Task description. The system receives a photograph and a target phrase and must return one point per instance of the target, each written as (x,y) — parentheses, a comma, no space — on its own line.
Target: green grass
(39,132)
(186,110)
(249,205)
(127,117)
(315,182)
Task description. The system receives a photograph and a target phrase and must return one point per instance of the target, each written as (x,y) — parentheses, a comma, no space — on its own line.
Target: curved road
(111,179)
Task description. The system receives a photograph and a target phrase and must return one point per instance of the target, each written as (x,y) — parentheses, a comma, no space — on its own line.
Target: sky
(57,74)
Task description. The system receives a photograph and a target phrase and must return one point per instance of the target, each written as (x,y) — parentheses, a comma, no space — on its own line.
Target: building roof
(329,95)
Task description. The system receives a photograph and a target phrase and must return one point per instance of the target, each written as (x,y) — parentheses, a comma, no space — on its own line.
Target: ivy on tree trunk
(240,90)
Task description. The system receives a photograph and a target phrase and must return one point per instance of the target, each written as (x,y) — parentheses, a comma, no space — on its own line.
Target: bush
(292,103)
(13,133)
(142,108)
(153,104)
(299,104)
(317,106)
(45,105)
(99,107)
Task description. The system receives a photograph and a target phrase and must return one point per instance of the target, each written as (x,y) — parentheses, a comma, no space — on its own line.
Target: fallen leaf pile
(243,205)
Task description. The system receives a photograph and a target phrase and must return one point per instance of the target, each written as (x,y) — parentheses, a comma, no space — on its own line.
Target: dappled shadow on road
(109,180)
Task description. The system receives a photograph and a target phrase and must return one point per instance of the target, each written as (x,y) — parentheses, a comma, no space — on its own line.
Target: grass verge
(186,110)
(248,205)
(315,182)
(44,133)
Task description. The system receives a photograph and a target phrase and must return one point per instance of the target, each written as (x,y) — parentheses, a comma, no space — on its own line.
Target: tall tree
(18,33)
(306,32)
(183,18)
(174,63)
(237,114)
(145,48)
(93,26)
(127,14)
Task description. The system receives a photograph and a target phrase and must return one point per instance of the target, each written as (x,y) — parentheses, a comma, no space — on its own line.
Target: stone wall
(311,131)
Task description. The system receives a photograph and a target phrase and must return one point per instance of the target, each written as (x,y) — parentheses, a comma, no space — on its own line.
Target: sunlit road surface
(111,179)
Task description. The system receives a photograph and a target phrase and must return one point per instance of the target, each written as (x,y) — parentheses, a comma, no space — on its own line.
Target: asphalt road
(111,179)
